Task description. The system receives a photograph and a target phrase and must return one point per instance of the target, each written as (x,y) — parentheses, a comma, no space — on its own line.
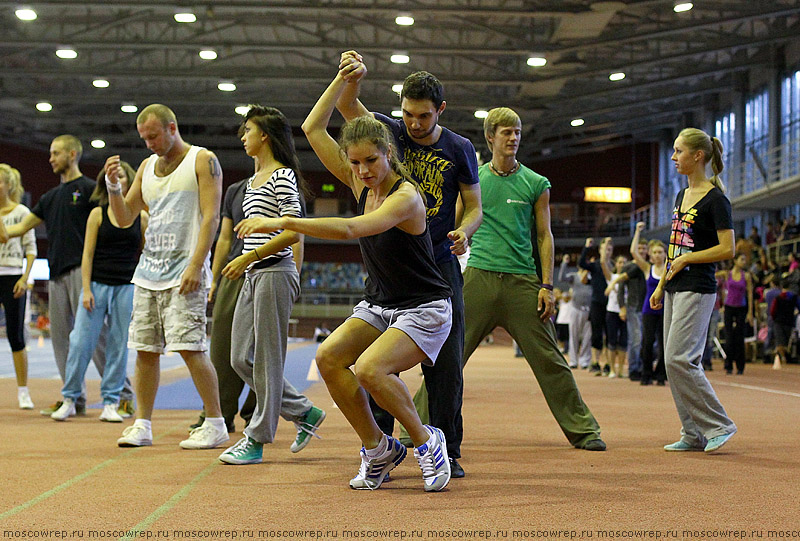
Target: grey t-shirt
(632,290)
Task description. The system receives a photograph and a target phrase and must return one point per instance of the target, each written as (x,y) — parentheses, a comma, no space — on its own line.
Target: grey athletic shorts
(428,325)
(166,320)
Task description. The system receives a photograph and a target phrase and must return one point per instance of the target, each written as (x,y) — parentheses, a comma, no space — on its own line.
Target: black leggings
(735,323)
(652,328)
(597,317)
(15,311)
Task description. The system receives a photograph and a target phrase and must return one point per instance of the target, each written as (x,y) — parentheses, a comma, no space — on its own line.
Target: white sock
(216,422)
(143,423)
(380,450)
(22,389)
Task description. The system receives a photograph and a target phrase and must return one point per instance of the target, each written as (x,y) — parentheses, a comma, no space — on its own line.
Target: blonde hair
(14,181)
(163,113)
(367,128)
(499,116)
(655,243)
(712,150)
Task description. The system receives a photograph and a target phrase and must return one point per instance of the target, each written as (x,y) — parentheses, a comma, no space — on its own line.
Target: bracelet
(548,287)
(256,252)
(114,188)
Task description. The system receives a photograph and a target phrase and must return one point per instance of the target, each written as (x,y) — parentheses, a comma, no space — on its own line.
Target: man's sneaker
(595,444)
(126,409)
(456,471)
(246,451)
(681,446)
(110,414)
(136,436)
(67,409)
(373,472)
(49,410)
(717,442)
(205,437)
(307,428)
(433,461)
(24,399)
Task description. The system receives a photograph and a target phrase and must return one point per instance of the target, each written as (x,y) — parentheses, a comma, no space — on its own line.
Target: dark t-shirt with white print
(693,231)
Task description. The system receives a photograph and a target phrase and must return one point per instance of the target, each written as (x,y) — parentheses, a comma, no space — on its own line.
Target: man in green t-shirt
(501,287)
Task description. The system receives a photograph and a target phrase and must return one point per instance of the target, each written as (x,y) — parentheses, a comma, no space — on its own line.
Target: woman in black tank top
(405,316)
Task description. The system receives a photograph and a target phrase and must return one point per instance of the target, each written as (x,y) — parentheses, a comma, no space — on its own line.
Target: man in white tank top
(180,186)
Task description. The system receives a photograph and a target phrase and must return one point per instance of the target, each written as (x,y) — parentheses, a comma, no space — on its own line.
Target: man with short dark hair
(446,168)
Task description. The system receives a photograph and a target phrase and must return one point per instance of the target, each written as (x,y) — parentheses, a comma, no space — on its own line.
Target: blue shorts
(428,325)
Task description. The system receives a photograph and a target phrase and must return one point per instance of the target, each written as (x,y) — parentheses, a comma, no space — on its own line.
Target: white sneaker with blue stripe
(374,471)
(433,461)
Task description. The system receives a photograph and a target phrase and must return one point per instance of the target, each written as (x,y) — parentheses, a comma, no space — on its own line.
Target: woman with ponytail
(702,234)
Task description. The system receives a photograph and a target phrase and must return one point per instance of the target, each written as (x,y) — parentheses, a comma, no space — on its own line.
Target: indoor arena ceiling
(285,53)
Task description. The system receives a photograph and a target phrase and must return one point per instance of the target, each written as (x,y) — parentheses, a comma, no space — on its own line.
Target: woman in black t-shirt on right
(702,234)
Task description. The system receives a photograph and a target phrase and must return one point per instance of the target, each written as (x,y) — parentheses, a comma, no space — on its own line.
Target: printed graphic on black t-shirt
(693,231)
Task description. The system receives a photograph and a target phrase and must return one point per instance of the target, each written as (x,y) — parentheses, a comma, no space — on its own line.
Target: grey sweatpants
(580,338)
(258,347)
(64,293)
(686,317)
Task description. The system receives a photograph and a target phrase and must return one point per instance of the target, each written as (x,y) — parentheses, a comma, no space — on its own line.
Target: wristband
(548,287)
(114,188)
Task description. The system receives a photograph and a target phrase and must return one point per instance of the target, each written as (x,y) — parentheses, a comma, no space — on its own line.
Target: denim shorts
(428,325)
(166,320)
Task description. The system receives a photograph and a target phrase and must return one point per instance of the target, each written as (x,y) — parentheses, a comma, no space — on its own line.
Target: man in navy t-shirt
(445,166)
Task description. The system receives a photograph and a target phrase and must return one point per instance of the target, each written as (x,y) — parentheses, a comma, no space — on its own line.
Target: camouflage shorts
(168,321)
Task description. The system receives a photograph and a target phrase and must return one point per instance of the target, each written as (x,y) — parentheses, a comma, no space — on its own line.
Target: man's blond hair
(163,113)
(499,116)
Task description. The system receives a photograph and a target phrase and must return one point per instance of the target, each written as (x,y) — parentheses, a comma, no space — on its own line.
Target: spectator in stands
(13,279)
(769,296)
(771,236)
(783,311)
(754,238)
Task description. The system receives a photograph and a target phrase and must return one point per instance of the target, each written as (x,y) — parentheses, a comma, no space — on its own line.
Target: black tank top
(401,272)
(117,251)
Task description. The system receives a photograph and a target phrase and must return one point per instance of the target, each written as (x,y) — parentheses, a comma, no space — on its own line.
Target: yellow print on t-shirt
(681,240)
(427,168)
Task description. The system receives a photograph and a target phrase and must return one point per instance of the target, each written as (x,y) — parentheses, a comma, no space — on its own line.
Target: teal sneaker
(307,428)
(681,446)
(717,442)
(246,451)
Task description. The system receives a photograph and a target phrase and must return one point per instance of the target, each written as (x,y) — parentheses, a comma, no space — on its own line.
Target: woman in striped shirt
(272,283)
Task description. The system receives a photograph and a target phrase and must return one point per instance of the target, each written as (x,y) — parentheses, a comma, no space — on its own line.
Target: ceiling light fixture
(128,108)
(400,58)
(44,106)
(66,53)
(577,122)
(226,86)
(404,20)
(618,76)
(185,17)
(481,113)
(98,143)
(397,113)
(682,7)
(242,109)
(397,88)
(100,83)
(537,61)
(25,14)
(208,54)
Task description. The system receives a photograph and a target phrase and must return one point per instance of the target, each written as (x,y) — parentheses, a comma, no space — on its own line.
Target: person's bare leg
(334,357)
(147,377)
(205,380)
(21,367)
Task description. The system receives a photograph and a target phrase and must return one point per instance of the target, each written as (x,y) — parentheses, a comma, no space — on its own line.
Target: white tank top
(174,227)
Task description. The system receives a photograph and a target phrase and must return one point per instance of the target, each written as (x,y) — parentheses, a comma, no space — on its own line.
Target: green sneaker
(246,451)
(126,409)
(307,428)
(52,408)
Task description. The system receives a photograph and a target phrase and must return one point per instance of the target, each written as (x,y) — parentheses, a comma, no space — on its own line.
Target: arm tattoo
(213,166)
